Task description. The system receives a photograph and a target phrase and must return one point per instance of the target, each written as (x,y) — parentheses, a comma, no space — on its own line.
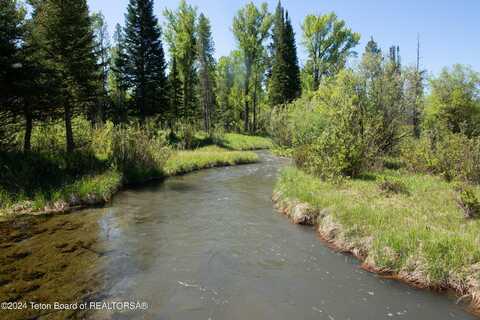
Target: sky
(449,30)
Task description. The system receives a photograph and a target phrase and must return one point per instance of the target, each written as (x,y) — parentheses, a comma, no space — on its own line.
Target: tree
(205,49)
(65,38)
(117,83)
(175,92)
(454,102)
(102,51)
(384,92)
(144,60)
(329,44)
(284,82)
(225,76)
(11,35)
(181,36)
(251,27)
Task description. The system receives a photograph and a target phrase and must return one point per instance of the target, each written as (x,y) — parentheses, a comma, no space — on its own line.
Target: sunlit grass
(235,141)
(186,161)
(422,230)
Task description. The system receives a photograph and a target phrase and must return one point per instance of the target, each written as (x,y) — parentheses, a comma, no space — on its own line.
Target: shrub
(346,145)
(454,103)
(468,201)
(298,123)
(459,158)
(138,155)
(453,156)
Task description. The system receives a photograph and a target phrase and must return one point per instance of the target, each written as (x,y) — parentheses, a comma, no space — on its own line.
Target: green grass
(420,231)
(100,187)
(207,157)
(235,141)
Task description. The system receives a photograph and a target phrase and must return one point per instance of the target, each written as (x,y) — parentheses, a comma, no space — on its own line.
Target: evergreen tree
(11,61)
(284,85)
(117,83)
(205,49)
(102,51)
(144,59)
(65,39)
(294,89)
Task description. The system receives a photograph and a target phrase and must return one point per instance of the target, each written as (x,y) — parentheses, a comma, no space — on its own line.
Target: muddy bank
(331,232)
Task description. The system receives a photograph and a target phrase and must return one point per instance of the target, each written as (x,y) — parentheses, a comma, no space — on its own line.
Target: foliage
(468,201)
(329,43)
(454,102)
(383,87)
(205,48)
(346,146)
(181,36)
(143,61)
(65,40)
(251,28)
(138,154)
(284,81)
(453,156)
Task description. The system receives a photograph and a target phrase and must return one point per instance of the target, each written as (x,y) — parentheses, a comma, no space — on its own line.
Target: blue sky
(449,30)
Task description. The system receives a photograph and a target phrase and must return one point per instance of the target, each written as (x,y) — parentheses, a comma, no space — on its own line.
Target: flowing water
(207,245)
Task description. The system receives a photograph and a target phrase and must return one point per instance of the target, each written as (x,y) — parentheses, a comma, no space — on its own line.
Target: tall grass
(420,231)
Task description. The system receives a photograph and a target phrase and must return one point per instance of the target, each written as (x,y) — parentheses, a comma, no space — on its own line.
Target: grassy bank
(416,232)
(208,157)
(235,141)
(98,188)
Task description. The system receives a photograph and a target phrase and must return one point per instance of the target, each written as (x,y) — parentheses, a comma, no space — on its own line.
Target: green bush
(454,103)
(453,156)
(346,145)
(137,154)
(298,123)
(468,201)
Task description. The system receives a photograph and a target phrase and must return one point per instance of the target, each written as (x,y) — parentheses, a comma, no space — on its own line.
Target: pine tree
(65,39)
(294,86)
(145,61)
(102,51)
(11,33)
(205,49)
(284,83)
(118,84)
(11,61)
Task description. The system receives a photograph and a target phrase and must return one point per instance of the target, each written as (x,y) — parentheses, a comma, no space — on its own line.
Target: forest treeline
(58,62)
(62,77)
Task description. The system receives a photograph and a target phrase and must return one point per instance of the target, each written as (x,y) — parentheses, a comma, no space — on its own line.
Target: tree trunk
(68,129)
(27,144)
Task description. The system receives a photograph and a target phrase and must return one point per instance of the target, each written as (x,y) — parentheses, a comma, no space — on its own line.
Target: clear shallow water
(207,245)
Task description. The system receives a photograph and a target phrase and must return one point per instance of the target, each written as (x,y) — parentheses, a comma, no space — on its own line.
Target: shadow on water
(200,246)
